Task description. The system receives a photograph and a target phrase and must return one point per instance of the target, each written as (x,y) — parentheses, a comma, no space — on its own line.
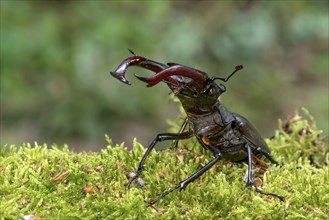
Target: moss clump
(299,138)
(56,183)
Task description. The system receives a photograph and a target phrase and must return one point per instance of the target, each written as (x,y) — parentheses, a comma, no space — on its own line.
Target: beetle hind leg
(268,193)
(250,181)
(268,156)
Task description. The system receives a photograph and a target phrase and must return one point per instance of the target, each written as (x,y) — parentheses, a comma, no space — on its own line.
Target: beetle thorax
(202,102)
(195,106)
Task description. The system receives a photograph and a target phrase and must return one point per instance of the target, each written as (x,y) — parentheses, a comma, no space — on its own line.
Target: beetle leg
(250,181)
(181,131)
(249,172)
(182,185)
(268,156)
(159,137)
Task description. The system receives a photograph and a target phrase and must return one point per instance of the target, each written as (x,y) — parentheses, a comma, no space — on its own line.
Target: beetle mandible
(224,133)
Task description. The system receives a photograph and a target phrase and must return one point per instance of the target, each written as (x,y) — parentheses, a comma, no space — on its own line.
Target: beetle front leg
(250,181)
(181,131)
(159,137)
(182,185)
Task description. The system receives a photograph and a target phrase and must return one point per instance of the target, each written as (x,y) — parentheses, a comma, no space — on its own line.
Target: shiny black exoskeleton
(226,134)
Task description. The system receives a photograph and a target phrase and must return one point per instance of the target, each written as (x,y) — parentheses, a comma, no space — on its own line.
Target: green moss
(56,183)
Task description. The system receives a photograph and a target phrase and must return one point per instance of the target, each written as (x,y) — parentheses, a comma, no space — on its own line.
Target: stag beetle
(224,133)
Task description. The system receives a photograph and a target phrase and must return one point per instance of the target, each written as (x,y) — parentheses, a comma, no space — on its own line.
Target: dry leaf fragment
(62,176)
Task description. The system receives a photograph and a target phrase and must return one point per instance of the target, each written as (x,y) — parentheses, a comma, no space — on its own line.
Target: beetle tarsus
(268,193)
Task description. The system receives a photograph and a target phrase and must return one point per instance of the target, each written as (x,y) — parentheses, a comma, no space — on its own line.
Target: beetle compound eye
(205,140)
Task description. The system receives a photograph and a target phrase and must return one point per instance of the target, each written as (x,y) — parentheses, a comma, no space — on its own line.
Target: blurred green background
(56,57)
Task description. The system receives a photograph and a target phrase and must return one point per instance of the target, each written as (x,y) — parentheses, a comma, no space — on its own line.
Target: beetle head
(197,97)
(195,89)
(197,92)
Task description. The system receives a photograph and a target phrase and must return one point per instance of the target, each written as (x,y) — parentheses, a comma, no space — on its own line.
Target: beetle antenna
(131,51)
(237,68)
